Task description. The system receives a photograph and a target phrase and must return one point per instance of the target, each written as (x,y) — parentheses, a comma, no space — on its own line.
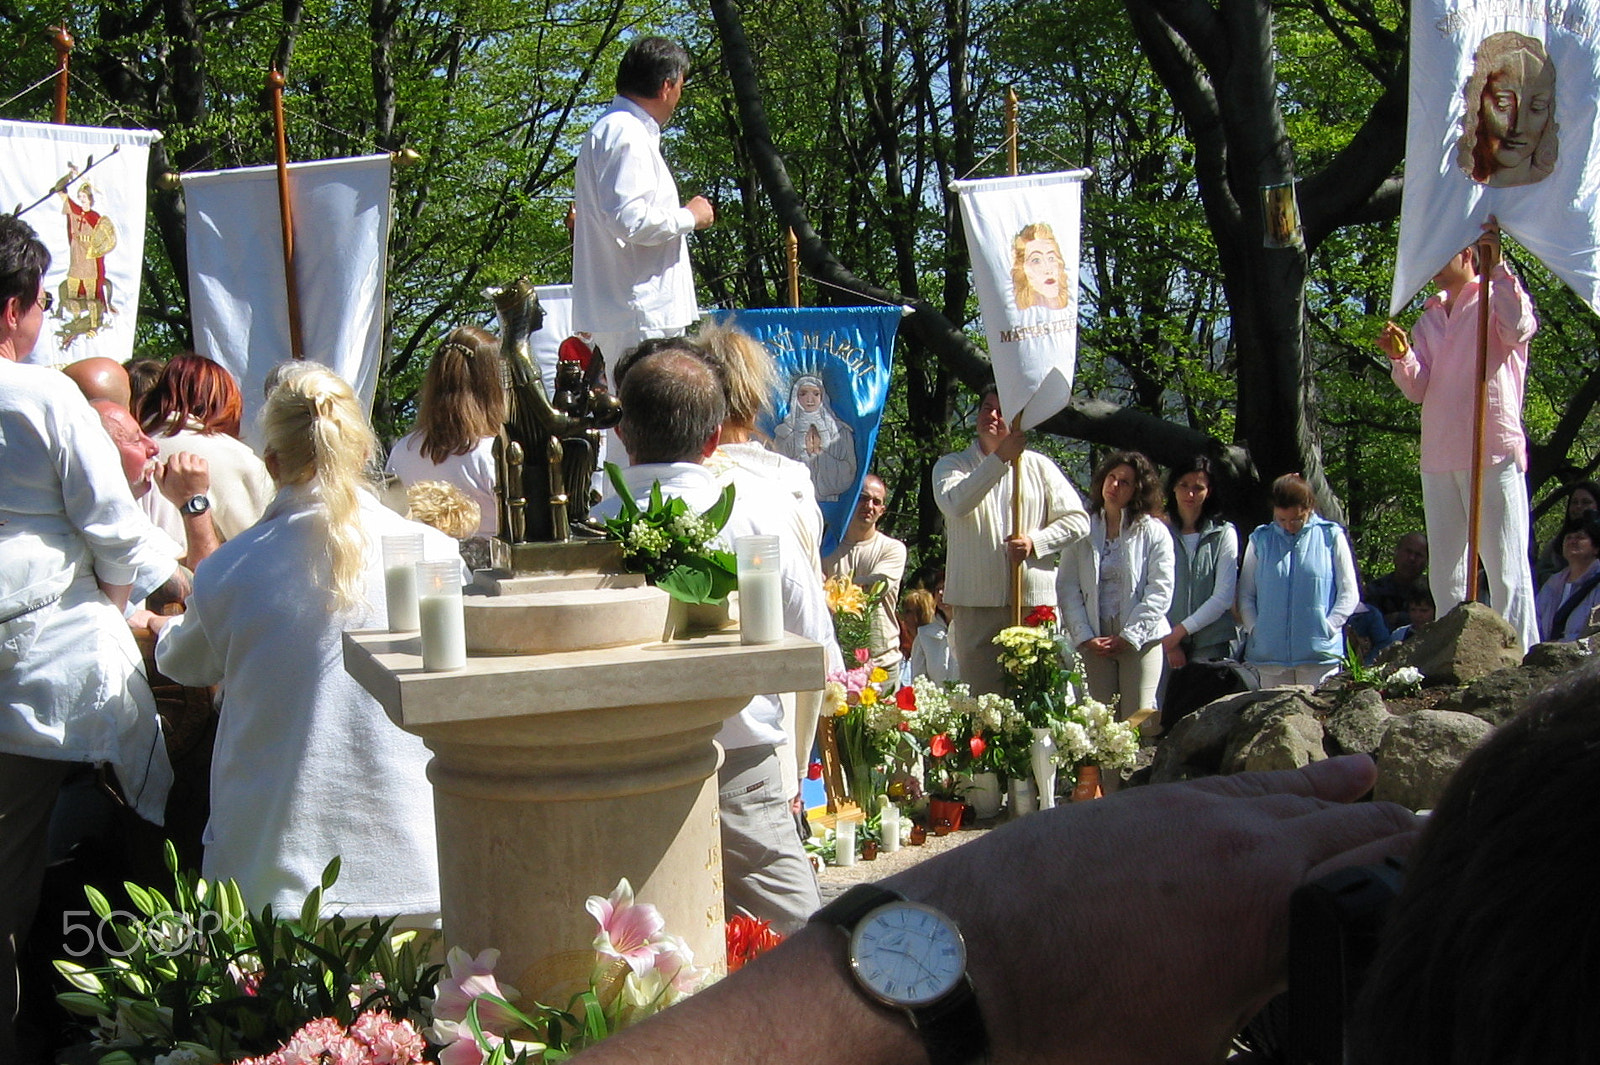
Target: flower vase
(984,796)
(1088,785)
(1023,798)
(1043,759)
(945,813)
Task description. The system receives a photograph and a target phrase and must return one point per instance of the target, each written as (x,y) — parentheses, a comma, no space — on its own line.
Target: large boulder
(1358,725)
(1420,751)
(1288,742)
(1498,697)
(1195,745)
(1273,705)
(1470,642)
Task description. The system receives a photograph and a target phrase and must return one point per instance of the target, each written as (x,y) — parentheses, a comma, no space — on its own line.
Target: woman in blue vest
(1206,563)
(1296,590)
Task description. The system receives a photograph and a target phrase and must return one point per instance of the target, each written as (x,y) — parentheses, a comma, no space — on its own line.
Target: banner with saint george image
(834,367)
(1503,123)
(1023,238)
(82,189)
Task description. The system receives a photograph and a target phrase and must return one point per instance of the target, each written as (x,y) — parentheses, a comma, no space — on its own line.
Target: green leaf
(97,902)
(721,509)
(629,509)
(330,874)
(311,909)
(79,977)
(83,1004)
(141,898)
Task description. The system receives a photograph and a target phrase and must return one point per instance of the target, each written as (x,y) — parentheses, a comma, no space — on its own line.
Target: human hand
(1392,341)
(182,477)
(1012,444)
(1018,548)
(1115,645)
(703,213)
(1154,923)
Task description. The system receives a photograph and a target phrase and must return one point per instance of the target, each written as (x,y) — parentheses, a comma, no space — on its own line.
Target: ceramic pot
(1088,786)
(1022,797)
(984,796)
(944,812)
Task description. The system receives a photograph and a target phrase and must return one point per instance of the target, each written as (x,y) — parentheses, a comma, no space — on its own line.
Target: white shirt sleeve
(1225,584)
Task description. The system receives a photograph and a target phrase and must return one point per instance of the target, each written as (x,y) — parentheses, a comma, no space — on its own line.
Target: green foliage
(672,546)
(199,971)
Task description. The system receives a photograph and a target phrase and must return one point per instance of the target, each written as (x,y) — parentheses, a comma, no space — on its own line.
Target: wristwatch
(196,505)
(911,957)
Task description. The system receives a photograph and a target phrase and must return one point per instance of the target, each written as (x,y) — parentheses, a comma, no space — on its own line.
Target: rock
(1358,726)
(1557,657)
(1470,642)
(1274,703)
(1419,752)
(1195,746)
(1290,742)
(1498,697)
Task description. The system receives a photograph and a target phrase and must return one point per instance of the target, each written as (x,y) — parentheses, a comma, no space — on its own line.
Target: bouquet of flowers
(675,548)
(866,723)
(956,730)
(851,607)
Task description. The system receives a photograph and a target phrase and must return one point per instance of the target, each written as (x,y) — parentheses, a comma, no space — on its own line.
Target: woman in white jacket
(1115,586)
(307,764)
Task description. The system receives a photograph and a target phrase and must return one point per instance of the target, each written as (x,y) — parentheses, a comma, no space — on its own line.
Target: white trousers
(1126,682)
(1502,543)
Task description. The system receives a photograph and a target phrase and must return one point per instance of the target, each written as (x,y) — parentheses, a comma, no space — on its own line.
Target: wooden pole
(792,247)
(1016,463)
(275,82)
(63,41)
(1488,257)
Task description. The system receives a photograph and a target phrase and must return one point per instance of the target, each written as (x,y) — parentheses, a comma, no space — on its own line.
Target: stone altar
(575,748)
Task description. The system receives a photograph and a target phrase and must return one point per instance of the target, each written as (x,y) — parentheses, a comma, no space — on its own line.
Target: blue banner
(834,366)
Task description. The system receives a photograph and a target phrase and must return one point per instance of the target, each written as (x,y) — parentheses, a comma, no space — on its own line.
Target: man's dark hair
(23,260)
(648,64)
(674,397)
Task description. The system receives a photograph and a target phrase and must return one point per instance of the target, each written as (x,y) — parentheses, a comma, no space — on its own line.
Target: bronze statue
(548,451)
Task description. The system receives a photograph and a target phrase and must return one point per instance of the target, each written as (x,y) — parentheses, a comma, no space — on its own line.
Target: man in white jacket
(973,489)
(630,254)
(71,542)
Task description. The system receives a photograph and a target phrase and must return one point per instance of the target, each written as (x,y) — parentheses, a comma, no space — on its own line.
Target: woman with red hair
(195,407)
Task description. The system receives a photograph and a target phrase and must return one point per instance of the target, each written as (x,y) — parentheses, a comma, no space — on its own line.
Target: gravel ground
(836,879)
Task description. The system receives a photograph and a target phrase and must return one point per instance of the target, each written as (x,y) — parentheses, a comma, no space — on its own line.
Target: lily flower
(627,930)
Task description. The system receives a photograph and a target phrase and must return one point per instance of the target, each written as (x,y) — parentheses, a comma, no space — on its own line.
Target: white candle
(444,631)
(844,838)
(400,590)
(760,607)
(889,828)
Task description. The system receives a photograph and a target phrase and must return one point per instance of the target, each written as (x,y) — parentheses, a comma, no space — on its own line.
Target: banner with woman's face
(1022,235)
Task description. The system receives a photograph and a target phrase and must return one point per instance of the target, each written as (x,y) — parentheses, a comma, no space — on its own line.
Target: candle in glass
(889,828)
(844,843)
(400,557)
(760,589)
(440,611)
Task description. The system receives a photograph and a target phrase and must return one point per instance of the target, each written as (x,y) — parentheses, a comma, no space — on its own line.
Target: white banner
(237,295)
(1022,235)
(91,182)
(1502,122)
(545,345)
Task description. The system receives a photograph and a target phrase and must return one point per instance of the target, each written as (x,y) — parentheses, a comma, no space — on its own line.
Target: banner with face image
(1022,235)
(834,367)
(1503,123)
(82,189)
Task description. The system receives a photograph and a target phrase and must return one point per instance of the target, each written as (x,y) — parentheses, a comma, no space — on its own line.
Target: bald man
(181,478)
(102,379)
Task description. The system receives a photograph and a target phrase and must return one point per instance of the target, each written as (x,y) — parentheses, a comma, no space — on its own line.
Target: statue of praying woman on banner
(813,434)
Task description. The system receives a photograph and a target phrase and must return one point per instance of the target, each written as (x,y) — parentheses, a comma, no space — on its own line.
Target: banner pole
(275,83)
(1016,463)
(792,248)
(62,39)
(1487,257)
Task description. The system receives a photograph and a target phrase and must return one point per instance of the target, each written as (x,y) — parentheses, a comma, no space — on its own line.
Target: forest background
(845,120)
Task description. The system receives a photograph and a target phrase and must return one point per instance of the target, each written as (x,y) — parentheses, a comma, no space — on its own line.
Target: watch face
(907,954)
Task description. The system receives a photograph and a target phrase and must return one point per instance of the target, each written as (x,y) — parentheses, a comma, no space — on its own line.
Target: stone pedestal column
(557,774)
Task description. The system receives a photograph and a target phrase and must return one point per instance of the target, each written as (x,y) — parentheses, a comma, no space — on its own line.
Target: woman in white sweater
(307,764)
(1115,586)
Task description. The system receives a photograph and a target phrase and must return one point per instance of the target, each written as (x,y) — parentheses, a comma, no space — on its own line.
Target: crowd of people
(130,506)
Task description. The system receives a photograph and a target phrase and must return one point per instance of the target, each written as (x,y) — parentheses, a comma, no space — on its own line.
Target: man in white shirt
(630,257)
(866,556)
(673,398)
(71,543)
(973,490)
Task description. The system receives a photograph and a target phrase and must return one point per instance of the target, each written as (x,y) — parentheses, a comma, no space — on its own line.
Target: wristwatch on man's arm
(910,957)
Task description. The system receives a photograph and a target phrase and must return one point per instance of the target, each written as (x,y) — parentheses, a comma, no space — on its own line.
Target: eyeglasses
(46,301)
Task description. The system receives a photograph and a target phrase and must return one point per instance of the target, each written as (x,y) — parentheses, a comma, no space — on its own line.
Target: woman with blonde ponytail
(307,765)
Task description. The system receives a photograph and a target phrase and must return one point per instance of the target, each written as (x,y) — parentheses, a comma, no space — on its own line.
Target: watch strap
(951,1029)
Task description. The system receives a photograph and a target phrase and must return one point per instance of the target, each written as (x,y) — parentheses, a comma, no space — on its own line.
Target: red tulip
(941,745)
(814,771)
(904,726)
(906,699)
(1040,615)
(978,746)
